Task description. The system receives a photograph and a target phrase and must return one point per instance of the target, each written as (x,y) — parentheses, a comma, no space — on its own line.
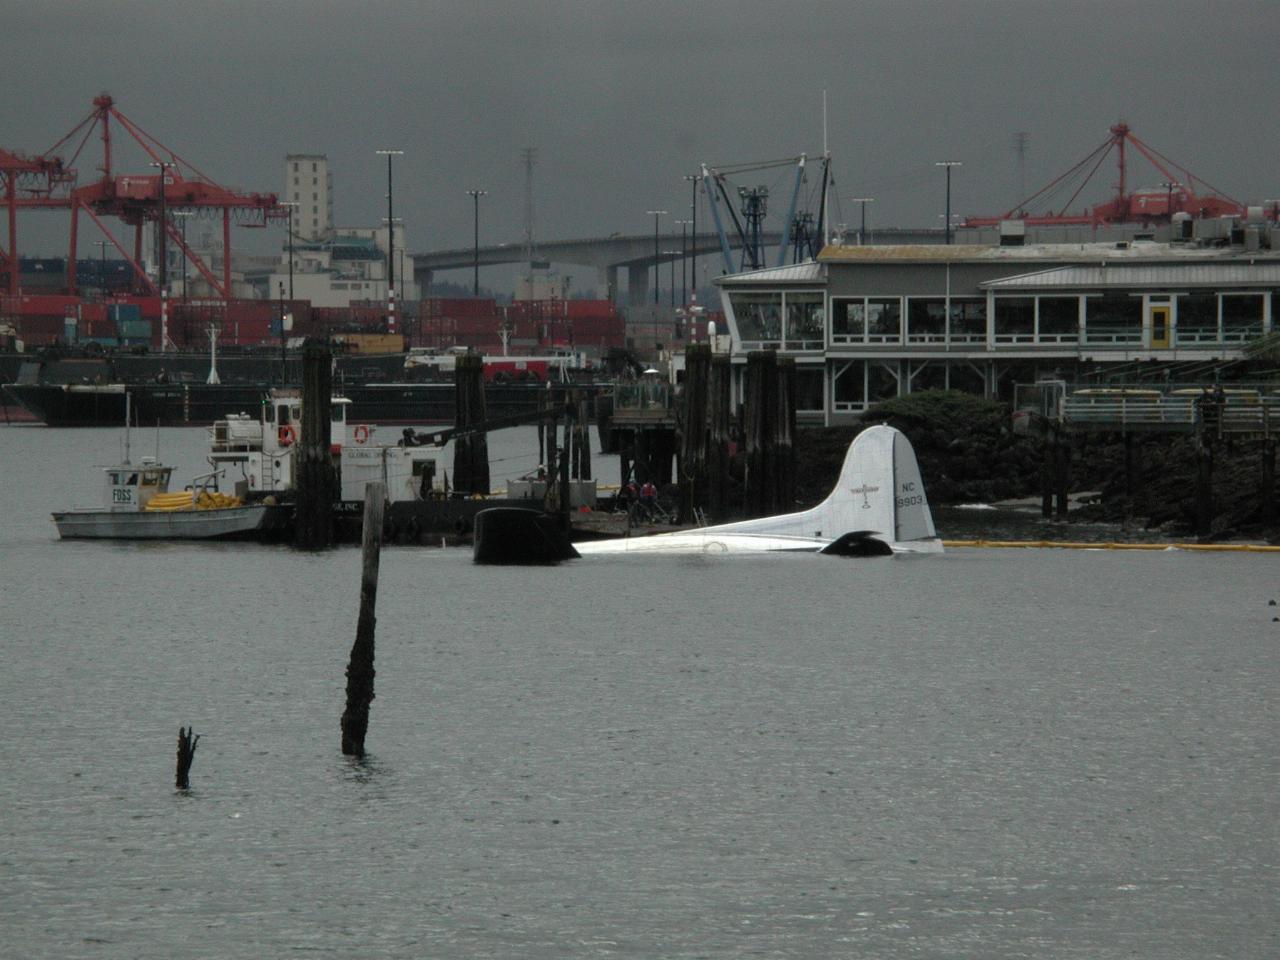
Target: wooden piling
(1130,486)
(316,478)
(584,439)
(782,440)
(1048,459)
(470,453)
(1062,475)
(1269,481)
(761,381)
(718,410)
(551,458)
(693,430)
(360,672)
(1204,489)
(187,740)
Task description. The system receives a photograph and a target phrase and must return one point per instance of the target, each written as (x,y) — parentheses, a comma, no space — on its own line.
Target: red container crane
(49,182)
(1177,193)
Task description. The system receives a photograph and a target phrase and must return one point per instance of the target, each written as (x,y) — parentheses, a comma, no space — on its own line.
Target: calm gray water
(989,754)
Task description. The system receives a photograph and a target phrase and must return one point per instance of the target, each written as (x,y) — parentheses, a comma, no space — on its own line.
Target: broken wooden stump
(187,740)
(360,672)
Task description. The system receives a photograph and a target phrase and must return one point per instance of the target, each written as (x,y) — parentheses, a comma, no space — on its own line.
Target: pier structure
(1221,417)
(868,323)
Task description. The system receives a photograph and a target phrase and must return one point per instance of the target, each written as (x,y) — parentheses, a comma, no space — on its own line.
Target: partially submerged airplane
(878,508)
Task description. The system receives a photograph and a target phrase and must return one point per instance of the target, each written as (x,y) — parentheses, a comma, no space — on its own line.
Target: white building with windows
(309,184)
(866,323)
(333,266)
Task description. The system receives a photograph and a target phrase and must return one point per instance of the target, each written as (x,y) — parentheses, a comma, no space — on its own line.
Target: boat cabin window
(282,414)
(338,413)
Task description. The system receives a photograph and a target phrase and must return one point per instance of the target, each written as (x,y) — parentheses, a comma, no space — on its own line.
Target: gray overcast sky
(622,99)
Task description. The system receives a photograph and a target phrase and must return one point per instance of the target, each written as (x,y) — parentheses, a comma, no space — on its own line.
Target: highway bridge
(635,252)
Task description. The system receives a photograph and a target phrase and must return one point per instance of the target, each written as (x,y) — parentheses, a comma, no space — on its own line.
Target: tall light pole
(283,341)
(672,254)
(163,226)
(655,214)
(391,245)
(290,205)
(948,164)
(475,196)
(862,231)
(684,262)
(693,179)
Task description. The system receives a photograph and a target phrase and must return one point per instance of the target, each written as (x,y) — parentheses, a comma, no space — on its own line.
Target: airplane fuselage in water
(878,507)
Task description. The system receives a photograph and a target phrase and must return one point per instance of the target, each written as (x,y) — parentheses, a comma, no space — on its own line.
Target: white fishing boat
(138,505)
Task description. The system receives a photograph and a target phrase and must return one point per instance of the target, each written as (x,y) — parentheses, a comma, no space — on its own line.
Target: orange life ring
(287,434)
(362,433)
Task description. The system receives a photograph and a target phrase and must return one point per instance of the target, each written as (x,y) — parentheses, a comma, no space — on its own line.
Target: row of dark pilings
(767,425)
(1055,476)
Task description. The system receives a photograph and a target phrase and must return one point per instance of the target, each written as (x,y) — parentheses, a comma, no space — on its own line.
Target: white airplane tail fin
(879,496)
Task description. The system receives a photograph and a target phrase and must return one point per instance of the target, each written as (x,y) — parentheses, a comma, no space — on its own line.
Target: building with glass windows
(866,323)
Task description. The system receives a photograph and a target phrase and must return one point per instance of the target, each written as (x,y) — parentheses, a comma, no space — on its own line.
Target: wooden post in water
(316,479)
(1062,475)
(1269,481)
(762,368)
(1204,489)
(187,740)
(360,672)
(781,444)
(1048,457)
(584,439)
(718,409)
(552,457)
(693,436)
(470,453)
(1129,485)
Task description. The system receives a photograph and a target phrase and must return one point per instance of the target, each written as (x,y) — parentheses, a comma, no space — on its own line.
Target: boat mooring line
(1074,545)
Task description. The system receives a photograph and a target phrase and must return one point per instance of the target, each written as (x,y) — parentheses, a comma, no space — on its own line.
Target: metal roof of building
(1128,251)
(808,272)
(1144,275)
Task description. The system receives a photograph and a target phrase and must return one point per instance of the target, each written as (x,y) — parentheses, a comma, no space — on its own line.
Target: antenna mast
(1021,140)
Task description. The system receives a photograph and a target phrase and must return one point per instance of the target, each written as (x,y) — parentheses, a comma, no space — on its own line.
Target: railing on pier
(643,402)
(1237,409)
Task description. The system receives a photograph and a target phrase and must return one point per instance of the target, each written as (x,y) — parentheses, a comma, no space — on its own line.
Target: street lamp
(672,254)
(684,262)
(283,342)
(948,164)
(862,231)
(475,196)
(164,287)
(391,244)
(693,179)
(655,214)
